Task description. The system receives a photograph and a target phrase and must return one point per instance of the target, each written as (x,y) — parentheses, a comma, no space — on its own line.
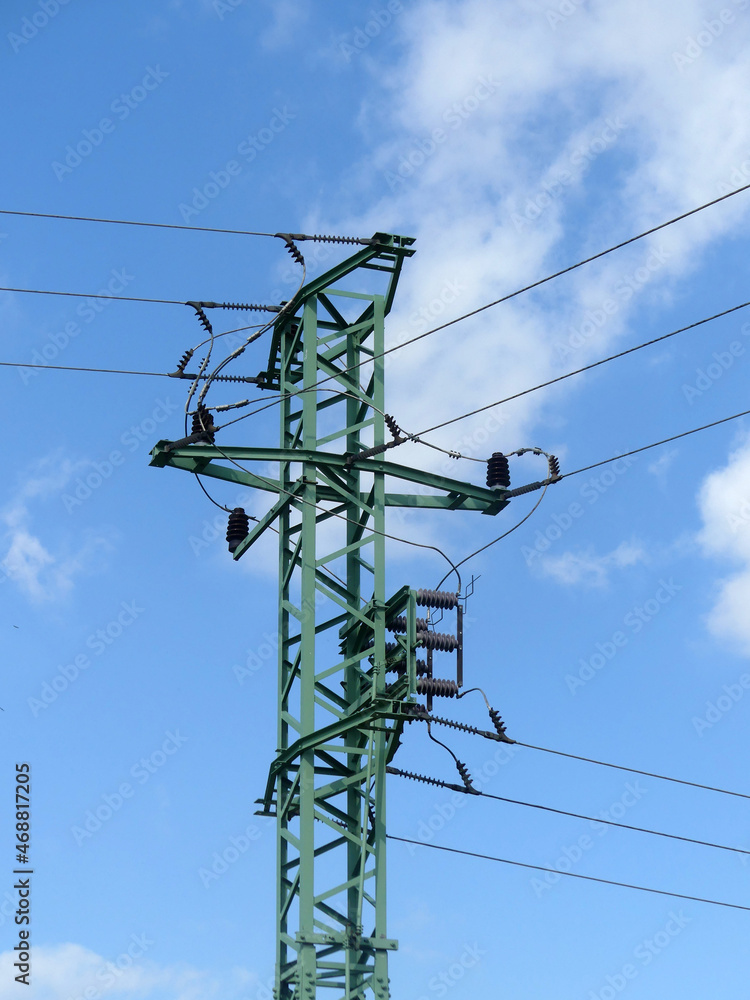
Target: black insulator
(497,722)
(437,599)
(554,467)
(235,378)
(466,777)
(184,360)
(498,473)
(238,528)
(438,640)
(400,668)
(333,239)
(203,422)
(438,688)
(201,316)
(295,252)
(245,306)
(392,425)
(399,624)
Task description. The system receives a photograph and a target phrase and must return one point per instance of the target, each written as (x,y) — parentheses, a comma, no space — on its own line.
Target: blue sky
(510,140)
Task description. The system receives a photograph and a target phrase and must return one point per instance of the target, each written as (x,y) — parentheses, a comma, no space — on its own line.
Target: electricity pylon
(339,719)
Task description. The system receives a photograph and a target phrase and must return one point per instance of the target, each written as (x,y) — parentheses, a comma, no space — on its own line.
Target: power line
(573,815)
(567,270)
(498,539)
(71,368)
(95,295)
(528,288)
(585,368)
(294,498)
(646,447)
(634,770)
(130,222)
(554,871)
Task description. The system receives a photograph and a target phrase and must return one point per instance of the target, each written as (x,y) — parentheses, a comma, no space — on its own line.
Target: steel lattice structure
(339,717)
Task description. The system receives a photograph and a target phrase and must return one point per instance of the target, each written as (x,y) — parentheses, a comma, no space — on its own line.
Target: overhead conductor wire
(587,878)
(530,287)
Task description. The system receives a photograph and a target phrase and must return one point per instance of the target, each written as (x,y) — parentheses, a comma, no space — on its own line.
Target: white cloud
(24,558)
(68,970)
(724,502)
(587,568)
(521,102)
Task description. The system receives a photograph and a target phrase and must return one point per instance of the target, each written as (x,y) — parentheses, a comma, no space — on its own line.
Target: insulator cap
(554,467)
(498,473)
(238,528)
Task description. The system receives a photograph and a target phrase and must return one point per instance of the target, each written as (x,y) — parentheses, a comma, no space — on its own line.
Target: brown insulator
(437,687)
(437,599)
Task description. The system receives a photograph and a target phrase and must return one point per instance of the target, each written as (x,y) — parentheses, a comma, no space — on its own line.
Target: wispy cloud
(70,970)
(724,503)
(24,557)
(586,568)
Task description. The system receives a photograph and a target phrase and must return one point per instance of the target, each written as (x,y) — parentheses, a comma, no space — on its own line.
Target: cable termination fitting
(499,725)
(198,306)
(392,426)
(466,777)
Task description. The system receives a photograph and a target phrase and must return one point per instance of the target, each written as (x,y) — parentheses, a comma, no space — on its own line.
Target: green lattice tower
(339,720)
